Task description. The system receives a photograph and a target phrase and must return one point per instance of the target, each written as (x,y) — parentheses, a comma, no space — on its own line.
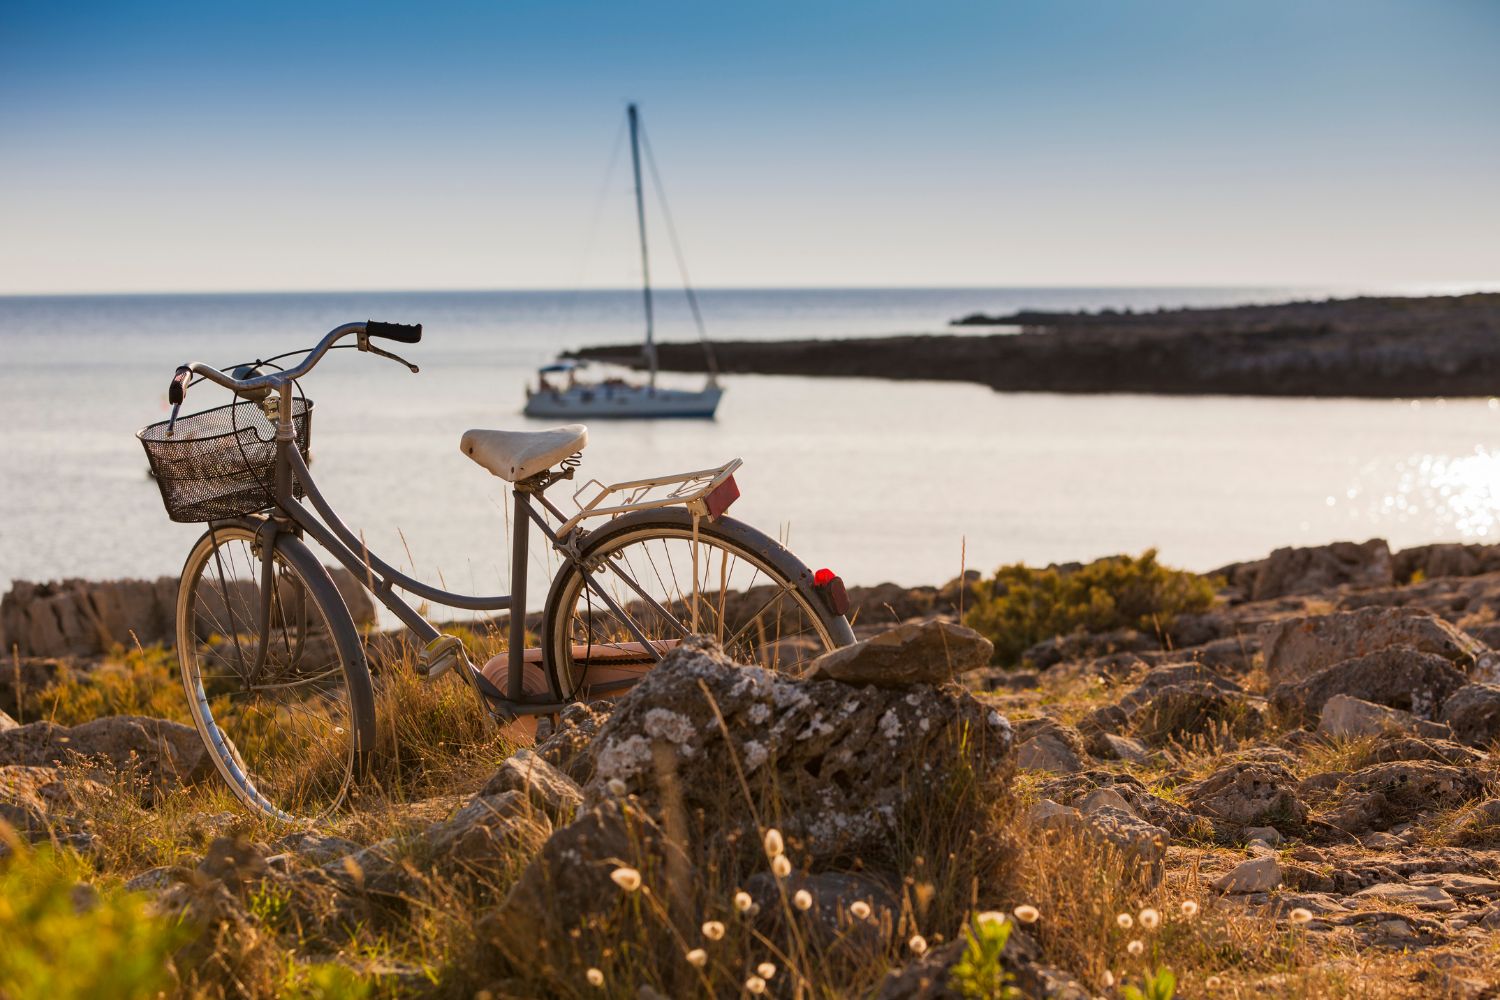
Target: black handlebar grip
(406,333)
(177,391)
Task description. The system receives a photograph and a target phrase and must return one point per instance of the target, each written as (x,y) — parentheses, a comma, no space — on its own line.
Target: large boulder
(931,652)
(1319,568)
(1296,648)
(1473,712)
(568,885)
(698,759)
(846,761)
(153,749)
(1397,677)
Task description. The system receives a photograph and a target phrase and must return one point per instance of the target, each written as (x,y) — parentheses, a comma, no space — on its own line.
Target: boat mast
(640,215)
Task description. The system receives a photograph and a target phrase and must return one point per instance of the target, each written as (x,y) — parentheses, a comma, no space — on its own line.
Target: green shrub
(63,939)
(980,974)
(1021,606)
(129,682)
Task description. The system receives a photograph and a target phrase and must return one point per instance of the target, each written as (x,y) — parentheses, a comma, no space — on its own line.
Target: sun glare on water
(1460,493)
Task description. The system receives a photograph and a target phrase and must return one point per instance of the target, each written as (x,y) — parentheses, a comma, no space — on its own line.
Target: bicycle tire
(310,633)
(779,567)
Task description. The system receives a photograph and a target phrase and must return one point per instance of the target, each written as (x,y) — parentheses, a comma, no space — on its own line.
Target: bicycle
(275,670)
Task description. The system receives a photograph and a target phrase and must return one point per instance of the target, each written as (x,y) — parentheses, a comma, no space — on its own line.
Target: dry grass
(964,847)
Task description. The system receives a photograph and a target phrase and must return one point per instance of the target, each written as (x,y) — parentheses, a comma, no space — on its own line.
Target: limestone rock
(1173,675)
(1047,752)
(1250,793)
(568,882)
(1479,825)
(544,785)
(158,750)
(1344,717)
(1197,708)
(1420,748)
(1296,648)
(23,679)
(1119,829)
(1473,712)
(845,760)
(1323,567)
(1423,897)
(1108,746)
(6,722)
(1255,875)
(1382,795)
(1101,798)
(1447,559)
(1268,835)
(1104,719)
(86,618)
(927,978)
(314,848)
(832,925)
(931,652)
(1396,677)
(34,800)
(566,745)
(80,618)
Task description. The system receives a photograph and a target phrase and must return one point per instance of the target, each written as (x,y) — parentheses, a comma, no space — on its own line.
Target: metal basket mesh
(221,462)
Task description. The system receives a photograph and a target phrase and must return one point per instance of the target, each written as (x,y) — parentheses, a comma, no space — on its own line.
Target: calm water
(881,480)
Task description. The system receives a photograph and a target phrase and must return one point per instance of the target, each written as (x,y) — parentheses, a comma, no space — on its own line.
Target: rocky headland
(1288,790)
(1362,347)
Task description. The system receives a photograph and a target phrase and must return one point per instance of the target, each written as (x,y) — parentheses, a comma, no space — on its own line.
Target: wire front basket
(221,462)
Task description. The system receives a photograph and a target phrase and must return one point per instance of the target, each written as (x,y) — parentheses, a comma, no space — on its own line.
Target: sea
(907,482)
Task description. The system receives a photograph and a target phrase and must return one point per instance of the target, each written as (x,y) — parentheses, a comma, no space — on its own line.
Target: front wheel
(670,579)
(274,672)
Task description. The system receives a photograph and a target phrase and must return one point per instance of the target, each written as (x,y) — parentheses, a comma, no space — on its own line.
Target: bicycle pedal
(441,655)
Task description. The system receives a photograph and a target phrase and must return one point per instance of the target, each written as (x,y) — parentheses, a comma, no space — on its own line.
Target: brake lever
(387,354)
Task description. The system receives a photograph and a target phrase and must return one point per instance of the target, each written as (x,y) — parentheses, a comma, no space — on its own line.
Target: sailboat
(562,392)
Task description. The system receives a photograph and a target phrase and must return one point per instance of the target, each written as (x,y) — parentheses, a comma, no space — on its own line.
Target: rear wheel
(274,672)
(727,581)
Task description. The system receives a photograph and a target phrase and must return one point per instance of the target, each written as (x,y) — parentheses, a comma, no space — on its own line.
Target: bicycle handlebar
(407,334)
(402,332)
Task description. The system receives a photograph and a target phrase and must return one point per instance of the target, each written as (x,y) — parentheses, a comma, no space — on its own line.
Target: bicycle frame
(382,580)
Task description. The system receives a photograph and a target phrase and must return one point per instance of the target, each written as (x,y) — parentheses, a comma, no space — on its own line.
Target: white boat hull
(624,402)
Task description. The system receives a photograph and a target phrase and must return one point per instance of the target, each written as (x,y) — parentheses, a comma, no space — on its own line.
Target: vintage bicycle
(275,669)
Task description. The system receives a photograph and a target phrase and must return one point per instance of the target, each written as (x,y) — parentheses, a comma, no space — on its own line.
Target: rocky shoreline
(1290,793)
(1363,347)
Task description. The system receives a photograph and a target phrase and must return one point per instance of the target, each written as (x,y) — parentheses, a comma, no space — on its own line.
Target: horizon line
(1410,288)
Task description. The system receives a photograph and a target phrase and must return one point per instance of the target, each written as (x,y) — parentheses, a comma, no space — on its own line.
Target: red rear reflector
(827,583)
(722,496)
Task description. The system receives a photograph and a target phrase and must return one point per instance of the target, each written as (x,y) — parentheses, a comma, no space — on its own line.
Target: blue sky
(206,146)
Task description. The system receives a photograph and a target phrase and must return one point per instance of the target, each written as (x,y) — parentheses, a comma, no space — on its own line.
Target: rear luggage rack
(706,493)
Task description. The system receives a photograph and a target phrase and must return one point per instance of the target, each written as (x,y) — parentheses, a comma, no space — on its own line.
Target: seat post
(520,537)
